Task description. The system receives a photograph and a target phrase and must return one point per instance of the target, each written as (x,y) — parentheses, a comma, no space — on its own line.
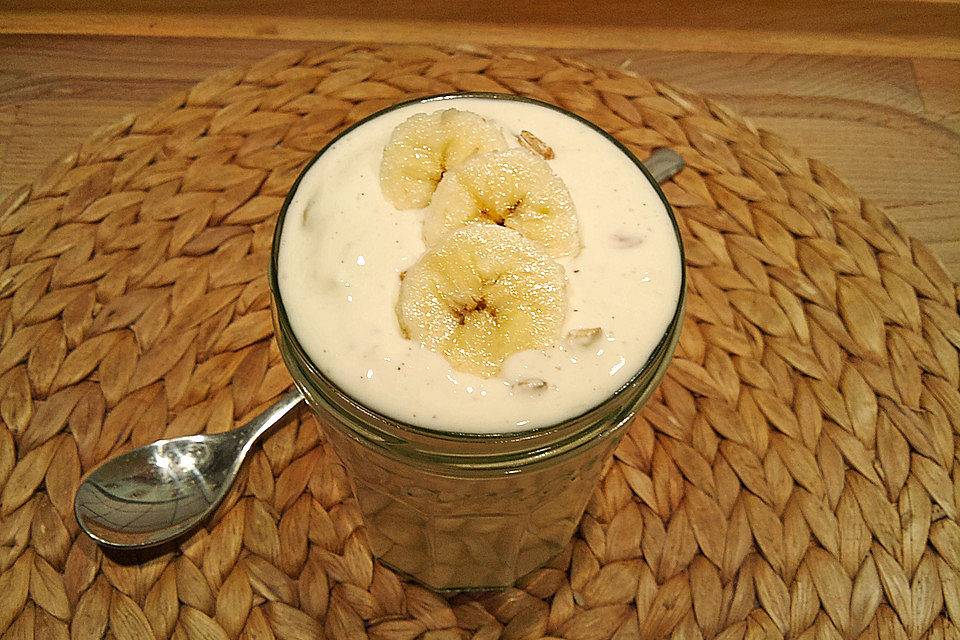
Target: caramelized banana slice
(515,189)
(425,146)
(484,293)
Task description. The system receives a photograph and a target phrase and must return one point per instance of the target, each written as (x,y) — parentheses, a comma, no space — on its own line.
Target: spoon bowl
(158,492)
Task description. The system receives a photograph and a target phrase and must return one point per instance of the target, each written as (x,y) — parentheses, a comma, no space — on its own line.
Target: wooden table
(871,89)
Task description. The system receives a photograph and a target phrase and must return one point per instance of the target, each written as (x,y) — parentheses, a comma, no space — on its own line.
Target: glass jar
(466,510)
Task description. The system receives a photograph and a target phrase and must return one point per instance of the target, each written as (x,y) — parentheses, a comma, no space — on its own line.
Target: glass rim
(285,330)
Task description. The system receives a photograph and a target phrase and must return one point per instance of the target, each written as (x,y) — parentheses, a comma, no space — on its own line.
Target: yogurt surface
(342,249)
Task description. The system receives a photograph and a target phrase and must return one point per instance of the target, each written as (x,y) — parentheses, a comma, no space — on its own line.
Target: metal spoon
(156,493)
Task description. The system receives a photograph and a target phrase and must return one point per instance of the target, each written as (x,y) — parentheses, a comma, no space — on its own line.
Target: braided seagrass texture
(796,475)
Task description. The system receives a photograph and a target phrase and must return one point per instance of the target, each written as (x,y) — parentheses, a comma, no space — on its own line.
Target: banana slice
(424,146)
(483,294)
(512,188)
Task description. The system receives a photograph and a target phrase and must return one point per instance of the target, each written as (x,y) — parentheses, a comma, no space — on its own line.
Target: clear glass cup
(465,510)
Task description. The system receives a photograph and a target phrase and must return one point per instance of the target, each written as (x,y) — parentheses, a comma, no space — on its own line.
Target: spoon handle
(252,431)
(663,164)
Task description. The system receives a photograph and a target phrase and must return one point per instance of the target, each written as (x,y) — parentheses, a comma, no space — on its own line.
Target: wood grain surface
(919,28)
(888,124)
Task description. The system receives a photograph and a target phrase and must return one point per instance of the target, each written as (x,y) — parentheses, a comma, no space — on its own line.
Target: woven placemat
(795,475)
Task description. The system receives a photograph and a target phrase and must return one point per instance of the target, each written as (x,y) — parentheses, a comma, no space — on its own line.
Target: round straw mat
(796,475)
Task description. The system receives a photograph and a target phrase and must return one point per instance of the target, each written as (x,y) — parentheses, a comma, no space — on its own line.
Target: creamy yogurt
(342,249)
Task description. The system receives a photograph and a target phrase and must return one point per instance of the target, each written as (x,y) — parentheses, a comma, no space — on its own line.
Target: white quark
(343,247)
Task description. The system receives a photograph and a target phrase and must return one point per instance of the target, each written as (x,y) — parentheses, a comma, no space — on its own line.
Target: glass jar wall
(467,510)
